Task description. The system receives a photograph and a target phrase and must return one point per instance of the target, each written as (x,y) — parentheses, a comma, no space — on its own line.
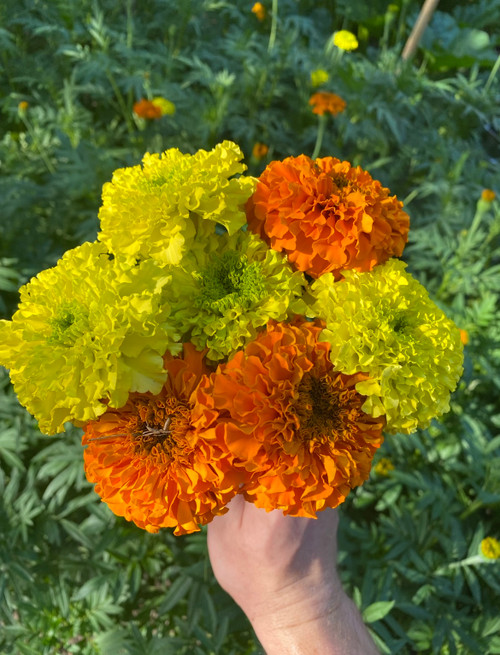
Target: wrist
(324,622)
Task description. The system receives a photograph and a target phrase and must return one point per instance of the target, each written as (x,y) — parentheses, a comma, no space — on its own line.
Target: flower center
(161,427)
(230,280)
(318,408)
(69,323)
(400,322)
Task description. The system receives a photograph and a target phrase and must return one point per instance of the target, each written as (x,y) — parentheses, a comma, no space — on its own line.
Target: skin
(279,570)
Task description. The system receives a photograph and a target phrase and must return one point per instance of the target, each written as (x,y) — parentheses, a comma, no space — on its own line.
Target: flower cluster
(226,335)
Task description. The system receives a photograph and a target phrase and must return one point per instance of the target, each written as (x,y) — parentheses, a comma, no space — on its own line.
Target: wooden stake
(421,23)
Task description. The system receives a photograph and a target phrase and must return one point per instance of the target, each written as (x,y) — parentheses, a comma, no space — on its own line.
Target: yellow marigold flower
(464,336)
(228,288)
(87,332)
(260,150)
(155,210)
(324,102)
(488,195)
(383,323)
(319,77)
(490,548)
(23,106)
(259,10)
(345,40)
(384,466)
(165,106)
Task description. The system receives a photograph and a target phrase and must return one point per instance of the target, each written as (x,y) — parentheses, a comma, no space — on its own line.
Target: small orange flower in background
(490,548)
(259,10)
(152,109)
(146,109)
(260,150)
(23,106)
(488,195)
(464,336)
(324,102)
(384,466)
(293,422)
(157,465)
(326,215)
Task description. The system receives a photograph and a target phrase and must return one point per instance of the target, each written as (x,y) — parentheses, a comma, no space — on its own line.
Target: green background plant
(76,579)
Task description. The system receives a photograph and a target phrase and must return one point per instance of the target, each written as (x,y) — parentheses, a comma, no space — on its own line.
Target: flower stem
(492,75)
(319,137)
(274,26)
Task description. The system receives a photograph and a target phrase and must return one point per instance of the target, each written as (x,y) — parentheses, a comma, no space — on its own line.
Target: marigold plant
(292,421)
(229,287)
(384,324)
(345,40)
(155,210)
(324,102)
(326,215)
(154,463)
(87,332)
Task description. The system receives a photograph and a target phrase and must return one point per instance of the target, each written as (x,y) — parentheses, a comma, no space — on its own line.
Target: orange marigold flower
(23,106)
(327,215)
(488,195)
(156,464)
(293,422)
(260,150)
(324,102)
(147,109)
(259,10)
(464,336)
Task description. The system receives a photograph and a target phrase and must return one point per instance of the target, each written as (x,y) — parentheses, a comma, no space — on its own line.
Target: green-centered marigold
(326,215)
(154,210)
(228,288)
(87,332)
(383,323)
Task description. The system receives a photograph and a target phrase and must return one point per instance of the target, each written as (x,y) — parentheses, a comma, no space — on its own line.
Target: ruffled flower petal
(87,332)
(158,464)
(383,323)
(292,422)
(326,215)
(228,288)
(155,210)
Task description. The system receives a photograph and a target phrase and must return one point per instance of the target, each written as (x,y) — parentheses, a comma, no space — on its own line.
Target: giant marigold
(326,215)
(155,210)
(87,332)
(156,463)
(228,288)
(293,422)
(384,324)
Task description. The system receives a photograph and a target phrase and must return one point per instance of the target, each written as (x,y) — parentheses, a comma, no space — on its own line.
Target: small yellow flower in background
(324,102)
(464,336)
(260,150)
(259,10)
(165,106)
(384,466)
(345,40)
(319,77)
(23,106)
(490,548)
(488,195)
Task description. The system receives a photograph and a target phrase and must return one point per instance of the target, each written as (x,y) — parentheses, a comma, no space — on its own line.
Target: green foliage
(76,579)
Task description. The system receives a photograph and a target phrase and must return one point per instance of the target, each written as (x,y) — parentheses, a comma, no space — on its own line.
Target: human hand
(281,572)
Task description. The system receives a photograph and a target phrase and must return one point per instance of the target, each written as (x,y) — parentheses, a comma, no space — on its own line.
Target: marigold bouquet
(229,335)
